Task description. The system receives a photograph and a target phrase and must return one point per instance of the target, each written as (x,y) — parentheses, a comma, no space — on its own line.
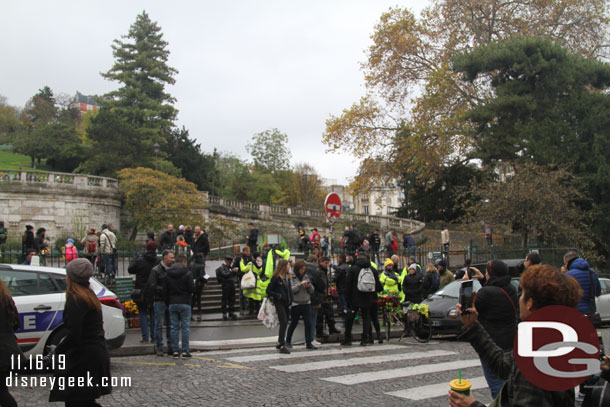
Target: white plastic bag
(248,280)
(268,314)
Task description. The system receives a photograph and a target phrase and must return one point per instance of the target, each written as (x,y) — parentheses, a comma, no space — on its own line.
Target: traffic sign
(332,206)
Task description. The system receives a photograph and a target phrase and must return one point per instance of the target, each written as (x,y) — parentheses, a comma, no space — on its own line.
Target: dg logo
(556,348)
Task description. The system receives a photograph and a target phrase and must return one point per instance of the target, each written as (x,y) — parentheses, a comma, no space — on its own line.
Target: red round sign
(332,206)
(556,348)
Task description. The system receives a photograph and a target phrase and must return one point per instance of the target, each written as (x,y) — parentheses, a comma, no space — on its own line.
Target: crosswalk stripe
(327,364)
(234,351)
(436,390)
(303,354)
(366,377)
(233,342)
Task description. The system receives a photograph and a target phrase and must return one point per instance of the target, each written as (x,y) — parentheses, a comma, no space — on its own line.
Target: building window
(366,209)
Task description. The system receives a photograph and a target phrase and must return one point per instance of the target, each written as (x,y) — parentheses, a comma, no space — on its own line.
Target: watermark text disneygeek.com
(61,382)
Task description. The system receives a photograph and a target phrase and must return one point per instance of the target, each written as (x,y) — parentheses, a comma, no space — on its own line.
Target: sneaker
(143,340)
(284,350)
(288,345)
(186,355)
(346,343)
(176,355)
(310,346)
(362,343)
(278,346)
(314,342)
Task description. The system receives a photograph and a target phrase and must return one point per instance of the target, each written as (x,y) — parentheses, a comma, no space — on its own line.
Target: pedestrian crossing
(424,364)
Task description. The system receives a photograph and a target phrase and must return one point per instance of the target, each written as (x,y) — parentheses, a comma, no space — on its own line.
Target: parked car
(515,267)
(603,301)
(40,294)
(443,307)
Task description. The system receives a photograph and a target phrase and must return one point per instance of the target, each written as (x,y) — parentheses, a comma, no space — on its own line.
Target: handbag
(248,280)
(268,314)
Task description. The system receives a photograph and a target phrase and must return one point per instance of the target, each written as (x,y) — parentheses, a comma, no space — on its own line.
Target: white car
(603,301)
(40,295)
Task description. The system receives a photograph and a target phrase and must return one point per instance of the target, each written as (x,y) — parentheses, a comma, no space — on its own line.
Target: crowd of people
(168,292)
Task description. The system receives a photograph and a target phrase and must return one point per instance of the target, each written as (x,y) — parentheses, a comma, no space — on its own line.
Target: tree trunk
(33,162)
(134,233)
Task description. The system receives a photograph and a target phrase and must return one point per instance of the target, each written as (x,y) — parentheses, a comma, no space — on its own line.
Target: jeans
(180,317)
(342,301)
(159,308)
(376,253)
(495,384)
(412,250)
(313,321)
(296,312)
(145,313)
(109,264)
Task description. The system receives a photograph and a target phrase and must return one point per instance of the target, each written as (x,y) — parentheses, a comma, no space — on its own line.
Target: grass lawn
(13,161)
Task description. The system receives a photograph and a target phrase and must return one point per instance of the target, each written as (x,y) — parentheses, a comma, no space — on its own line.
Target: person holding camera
(542,286)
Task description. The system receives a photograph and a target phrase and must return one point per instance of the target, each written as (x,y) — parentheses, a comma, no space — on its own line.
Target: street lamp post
(156,149)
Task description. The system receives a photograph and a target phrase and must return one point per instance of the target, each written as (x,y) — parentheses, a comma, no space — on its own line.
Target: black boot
(224,316)
(379,339)
(332,330)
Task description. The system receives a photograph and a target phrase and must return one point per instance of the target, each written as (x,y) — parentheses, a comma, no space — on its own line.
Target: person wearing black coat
(319,294)
(27,241)
(340,279)
(357,301)
(180,288)
(252,238)
(84,346)
(326,310)
(197,267)
(201,243)
(412,285)
(9,349)
(168,238)
(157,285)
(225,276)
(497,304)
(279,289)
(142,267)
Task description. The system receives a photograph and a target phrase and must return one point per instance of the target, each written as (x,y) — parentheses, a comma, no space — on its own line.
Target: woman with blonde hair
(9,323)
(84,346)
(279,289)
(431,281)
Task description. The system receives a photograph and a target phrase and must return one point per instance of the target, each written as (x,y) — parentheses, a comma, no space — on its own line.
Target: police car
(40,295)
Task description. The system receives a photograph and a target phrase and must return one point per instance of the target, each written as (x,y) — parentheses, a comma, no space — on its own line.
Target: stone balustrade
(269,211)
(39,178)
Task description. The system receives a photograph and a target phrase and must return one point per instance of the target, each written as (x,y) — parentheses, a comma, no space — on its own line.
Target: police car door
(40,305)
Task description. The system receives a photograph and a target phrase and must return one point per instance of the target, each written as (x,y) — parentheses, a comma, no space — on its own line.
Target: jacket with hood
(300,294)
(180,284)
(354,297)
(340,278)
(142,267)
(579,269)
(412,287)
(498,313)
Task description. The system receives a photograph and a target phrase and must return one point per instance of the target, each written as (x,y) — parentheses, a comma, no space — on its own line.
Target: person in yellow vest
(389,278)
(252,294)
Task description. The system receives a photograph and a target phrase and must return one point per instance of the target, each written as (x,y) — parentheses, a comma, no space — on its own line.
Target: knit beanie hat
(79,270)
(151,246)
(388,262)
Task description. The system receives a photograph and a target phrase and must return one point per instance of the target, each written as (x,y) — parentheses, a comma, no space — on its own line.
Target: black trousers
(326,311)
(365,314)
(196,300)
(282,315)
(374,312)
(228,299)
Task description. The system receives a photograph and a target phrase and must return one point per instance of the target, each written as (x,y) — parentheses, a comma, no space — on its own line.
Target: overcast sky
(244,66)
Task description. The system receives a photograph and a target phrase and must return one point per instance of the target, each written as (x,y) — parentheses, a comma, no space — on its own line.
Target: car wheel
(56,337)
